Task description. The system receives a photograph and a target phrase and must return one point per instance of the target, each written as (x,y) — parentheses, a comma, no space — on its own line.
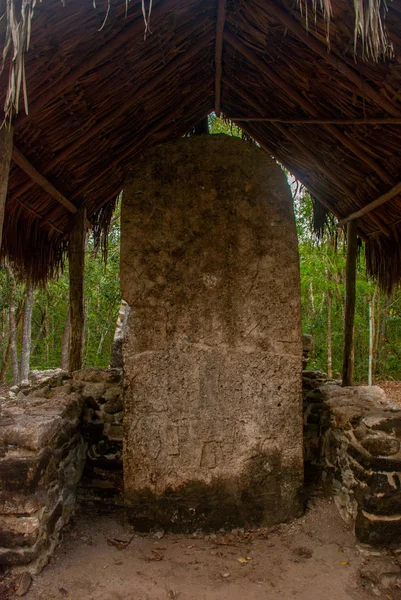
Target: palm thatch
(89,86)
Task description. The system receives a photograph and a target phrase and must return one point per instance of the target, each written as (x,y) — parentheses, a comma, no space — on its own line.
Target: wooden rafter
(309,108)
(130,151)
(55,88)
(372,205)
(364,88)
(38,178)
(221,18)
(328,173)
(134,97)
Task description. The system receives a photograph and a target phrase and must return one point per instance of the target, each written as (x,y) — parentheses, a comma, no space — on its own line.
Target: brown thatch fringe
(383,262)
(36,255)
(369,27)
(320,217)
(101,221)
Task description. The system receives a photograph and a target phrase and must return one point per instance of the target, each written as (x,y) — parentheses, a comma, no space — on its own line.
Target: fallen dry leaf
(120,544)
(244,560)
(23,584)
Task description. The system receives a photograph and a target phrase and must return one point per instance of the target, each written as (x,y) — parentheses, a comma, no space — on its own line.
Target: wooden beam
(364,88)
(38,178)
(127,35)
(76,259)
(221,19)
(372,205)
(6,146)
(135,95)
(300,100)
(350,288)
(328,121)
(305,151)
(130,150)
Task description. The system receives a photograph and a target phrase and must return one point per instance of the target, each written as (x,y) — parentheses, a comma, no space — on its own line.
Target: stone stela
(213,351)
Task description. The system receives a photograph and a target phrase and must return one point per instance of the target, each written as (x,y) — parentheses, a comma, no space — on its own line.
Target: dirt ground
(313,558)
(392,390)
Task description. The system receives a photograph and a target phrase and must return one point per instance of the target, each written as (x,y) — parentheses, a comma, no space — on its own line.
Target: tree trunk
(6,148)
(13,326)
(76,256)
(350,284)
(329,327)
(65,348)
(27,333)
(381,336)
(371,336)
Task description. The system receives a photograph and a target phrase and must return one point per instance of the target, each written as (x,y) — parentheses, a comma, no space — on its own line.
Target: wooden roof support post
(76,257)
(350,279)
(221,19)
(6,147)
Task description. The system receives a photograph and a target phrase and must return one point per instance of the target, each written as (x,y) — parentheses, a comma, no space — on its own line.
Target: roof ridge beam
(221,19)
(332,59)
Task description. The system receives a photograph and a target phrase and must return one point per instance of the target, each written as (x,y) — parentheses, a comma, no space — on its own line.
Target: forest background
(322,263)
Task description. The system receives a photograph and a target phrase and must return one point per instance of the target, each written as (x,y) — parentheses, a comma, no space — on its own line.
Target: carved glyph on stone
(212,355)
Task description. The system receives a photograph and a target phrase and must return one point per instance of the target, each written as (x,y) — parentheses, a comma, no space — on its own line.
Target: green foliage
(102,301)
(322,264)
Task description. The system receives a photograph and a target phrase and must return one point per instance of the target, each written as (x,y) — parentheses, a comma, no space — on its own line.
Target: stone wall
(352,436)
(213,352)
(50,433)
(102,429)
(42,455)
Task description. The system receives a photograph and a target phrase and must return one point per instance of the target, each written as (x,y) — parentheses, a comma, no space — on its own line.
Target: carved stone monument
(213,350)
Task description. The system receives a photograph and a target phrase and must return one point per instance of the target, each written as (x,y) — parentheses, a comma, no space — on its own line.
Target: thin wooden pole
(76,257)
(6,147)
(221,18)
(38,178)
(306,153)
(350,287)
(322,121)
(372,205)
(371,334)
(355,148)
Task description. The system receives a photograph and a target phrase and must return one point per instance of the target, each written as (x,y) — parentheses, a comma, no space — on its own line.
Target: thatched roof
(100,90)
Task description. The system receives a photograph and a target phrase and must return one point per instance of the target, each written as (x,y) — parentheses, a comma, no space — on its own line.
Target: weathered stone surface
(114,405)
(37,378)
(212,355)
(380,445)
(97,375)
(93,391)
(377,530)
(16,531)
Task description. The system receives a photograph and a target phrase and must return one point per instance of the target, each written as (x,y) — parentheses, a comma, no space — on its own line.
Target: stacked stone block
(102,428)
(358,448)
(42,455)
(50,431)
